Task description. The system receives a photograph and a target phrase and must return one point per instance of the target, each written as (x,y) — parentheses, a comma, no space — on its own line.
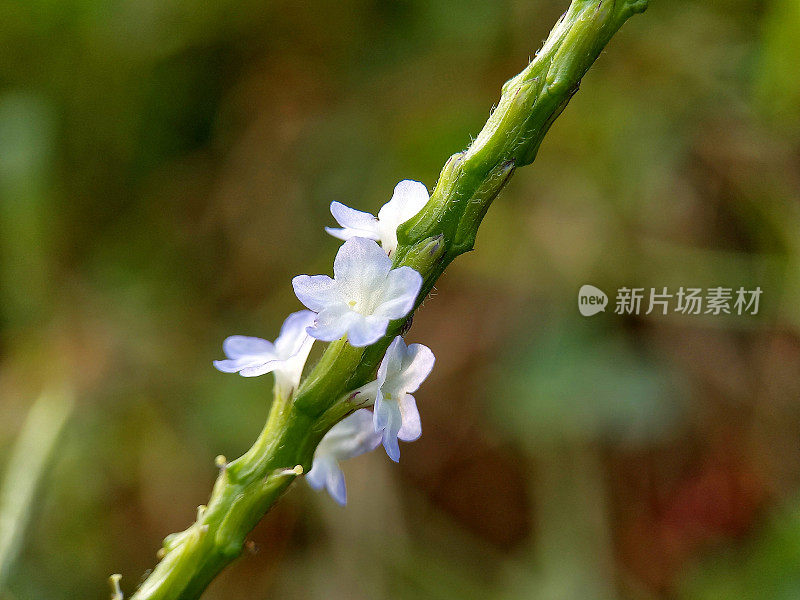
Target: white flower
(252,356)
(407,200)
(350,437)
(364,295)
(402,371)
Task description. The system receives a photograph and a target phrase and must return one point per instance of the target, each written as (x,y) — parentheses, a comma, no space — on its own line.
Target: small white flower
(402,371)
(252,356)
(364,295)
(350,437)
(407,200)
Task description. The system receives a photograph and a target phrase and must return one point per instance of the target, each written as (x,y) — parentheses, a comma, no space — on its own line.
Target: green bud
(477,206)
(424,256)
(440,215)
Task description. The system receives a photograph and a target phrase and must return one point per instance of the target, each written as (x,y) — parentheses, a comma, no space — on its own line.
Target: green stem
(444,229)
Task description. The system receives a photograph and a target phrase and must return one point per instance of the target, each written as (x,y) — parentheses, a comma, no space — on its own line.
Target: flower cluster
(357,303)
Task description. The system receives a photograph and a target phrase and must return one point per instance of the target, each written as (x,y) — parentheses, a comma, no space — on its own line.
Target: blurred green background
(166,167)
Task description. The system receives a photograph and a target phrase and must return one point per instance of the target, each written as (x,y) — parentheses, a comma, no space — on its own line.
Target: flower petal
(350,218)
(392,361)
(332,324)
(407,200)
(346,234)
(261,368)
(318,474)
(288,376)
(417,365)
(293,333)
(364,331)
(387,421)
(232,365)
(353,436)
(391,445)
(399,293)
(335,485)
(360,268)
(317,292)
(237,346)
(411,428)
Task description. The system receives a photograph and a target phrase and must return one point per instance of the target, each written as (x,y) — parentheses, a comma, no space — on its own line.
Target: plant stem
(445,228)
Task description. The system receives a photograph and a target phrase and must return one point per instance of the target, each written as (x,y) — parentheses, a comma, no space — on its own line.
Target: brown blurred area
(167,167)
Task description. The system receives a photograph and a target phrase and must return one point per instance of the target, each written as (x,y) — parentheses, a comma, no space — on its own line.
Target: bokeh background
(166,167)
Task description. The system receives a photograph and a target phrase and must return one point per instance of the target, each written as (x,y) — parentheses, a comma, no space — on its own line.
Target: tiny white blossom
(364,295)
(402,371)
(350,437)
(407,200)
(252,356)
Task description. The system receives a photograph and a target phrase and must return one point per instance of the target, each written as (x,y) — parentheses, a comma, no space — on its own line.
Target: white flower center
(363,303)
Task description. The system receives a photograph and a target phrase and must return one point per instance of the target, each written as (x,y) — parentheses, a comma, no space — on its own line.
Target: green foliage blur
(166,167)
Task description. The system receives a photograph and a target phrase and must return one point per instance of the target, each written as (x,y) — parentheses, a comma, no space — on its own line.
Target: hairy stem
(247,488)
